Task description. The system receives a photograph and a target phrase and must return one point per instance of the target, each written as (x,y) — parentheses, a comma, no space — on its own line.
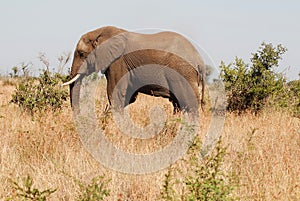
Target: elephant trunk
(74,95)
(203,92)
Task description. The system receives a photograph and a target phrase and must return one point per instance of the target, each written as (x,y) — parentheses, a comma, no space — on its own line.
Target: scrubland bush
(40,93)
(250,86)
(205,179)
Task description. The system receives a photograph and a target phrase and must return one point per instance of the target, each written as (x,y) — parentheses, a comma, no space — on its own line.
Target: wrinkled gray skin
(115,52)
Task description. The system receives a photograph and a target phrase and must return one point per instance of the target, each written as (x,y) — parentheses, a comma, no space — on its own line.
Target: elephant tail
(202,80)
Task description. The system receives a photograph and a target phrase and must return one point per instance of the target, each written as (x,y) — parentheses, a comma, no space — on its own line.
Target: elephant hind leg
(175,103)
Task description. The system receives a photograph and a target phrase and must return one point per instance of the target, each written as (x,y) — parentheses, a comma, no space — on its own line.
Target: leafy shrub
(38,94)
(205,179)
(26,191)
(44,92)
(295,91)
(249,86)
(168,192)
(292,100)
(95,191)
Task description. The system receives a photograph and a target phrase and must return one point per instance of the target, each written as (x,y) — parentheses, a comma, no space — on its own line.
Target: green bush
(25,191)
(44,92)
(95,191)
(168,193)
(292,97)
(205,179)
(294,94)
(249,86)
(39,94)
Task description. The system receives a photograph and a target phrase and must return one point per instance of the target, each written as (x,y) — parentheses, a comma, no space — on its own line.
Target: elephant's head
(84,53)
(87,44)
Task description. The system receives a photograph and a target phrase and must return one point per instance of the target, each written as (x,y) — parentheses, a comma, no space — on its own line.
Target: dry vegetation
(263,151)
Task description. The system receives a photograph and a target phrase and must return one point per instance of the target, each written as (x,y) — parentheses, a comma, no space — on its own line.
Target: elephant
(116,52)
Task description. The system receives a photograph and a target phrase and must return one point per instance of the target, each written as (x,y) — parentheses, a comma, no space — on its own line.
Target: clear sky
(224,29)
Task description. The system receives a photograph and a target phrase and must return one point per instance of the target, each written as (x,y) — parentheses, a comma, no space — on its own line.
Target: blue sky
(224,29)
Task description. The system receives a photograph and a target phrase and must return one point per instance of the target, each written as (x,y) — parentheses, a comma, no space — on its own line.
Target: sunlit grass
(263,150)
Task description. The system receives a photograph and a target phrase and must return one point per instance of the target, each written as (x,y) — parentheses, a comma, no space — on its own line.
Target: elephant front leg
(117,95)
(132,98)
(109,94)
(116,98)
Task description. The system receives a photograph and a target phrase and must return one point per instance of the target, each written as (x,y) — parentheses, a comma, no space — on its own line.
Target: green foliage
(26,191)
(95,191)
(168,192)
(250,86)
(39,94)
(44,92)
(291,98)
(295,97)
(15,70)
(205,179)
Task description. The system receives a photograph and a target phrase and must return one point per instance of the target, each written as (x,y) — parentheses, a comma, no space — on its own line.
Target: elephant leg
(116,96)
(133,97)
(130,96)
(109,95)
(184,99)
(175,103)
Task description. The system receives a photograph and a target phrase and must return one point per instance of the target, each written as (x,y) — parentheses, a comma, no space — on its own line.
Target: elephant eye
(82,54)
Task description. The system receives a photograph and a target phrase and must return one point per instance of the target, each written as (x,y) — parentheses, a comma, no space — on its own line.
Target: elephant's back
(168,42)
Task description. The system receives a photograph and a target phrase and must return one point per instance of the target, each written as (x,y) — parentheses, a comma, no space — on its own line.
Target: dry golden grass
(263,150)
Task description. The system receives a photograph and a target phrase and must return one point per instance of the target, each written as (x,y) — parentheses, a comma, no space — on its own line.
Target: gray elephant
(166,57)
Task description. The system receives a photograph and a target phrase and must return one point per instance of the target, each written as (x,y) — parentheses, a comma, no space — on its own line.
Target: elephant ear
(106,53)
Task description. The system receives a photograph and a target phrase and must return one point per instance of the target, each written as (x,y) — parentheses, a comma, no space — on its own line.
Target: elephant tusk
(71,81)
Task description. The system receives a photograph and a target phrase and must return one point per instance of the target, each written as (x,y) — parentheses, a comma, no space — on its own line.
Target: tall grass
(262,150)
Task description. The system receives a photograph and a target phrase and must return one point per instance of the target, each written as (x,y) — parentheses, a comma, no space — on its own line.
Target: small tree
(250,85)
(23,68)
(15,72)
